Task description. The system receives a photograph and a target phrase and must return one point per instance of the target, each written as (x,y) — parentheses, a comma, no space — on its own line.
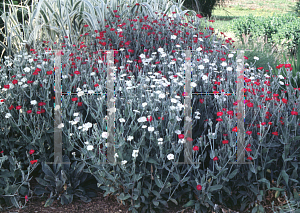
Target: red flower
(41,103)
(33,161)
(260,68)
(31,151)
(180,136)
(201,101)
(18,107)
(249,132)
(1,151)
(249,145)
(223,59)
(275,133)
(235,129)
(199,187)
(79,104)
(246,57)
(85,25)
(294,113)
(150,119)
(230,112)
(189,139)
(26,197)
(249,158)
(29,111)
(219,119)
(215,158)
(284,100)
(219,113)
(225,142)
(199,16)
(196,148)
(248,149)
(249,104)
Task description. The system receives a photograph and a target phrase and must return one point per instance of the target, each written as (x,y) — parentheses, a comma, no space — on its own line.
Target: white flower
(60,126)
(204,77)
(122,120)
(144,126)
(136,111)
(199,49)
(135,153)
(81,93)
(182,141)
(173,37)
(8,115)
(280,82)
(130,138)
(142,119)
(201,67)
(90,147)
(142,56)
(230,55)
(123,162)
(177,45)
(57,107)
(170,157)
(239,60)
(224,64)
(160,139)
(87,125)
(150,129)
(173,100)
(34,102)
(193,84)
(197,117)
(161,96)
(91,91)
(144,104)
(27,69)
(178,119)
(160,50)
(160,143)
(75,114)
(30,60)
(280,76)
(100,61)
(178,132)
(229,68)
(105,135)
(255,58)
(116,155)
(206,60)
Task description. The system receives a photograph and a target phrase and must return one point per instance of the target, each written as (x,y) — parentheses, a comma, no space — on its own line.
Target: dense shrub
(280,29)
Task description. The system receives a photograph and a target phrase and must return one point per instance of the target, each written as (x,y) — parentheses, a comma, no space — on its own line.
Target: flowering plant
(149,117)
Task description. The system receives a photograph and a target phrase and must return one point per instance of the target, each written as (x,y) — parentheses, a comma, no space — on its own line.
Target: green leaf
(215,188)
(233,174)
(189,204)
(264,180)
(156,203)
(285,176)
(40,191)
(47,170)
(49,202)
(158,182)
(42,182)
(177,177)
(151,160)
(156,194)
(123,197)
(174,201)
